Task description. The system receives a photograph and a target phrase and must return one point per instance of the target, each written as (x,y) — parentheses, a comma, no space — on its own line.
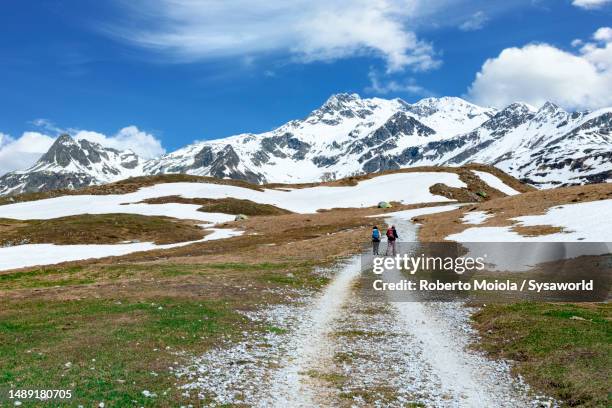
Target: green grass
(295,280)
(236,206)
(558,354)
(275,330)
(128,344)
(268,272)
(119,346)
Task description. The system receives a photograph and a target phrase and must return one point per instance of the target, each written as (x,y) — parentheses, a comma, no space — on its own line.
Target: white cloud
(590,4)
(603,34)
(21,153)
(129,138)
(49,126)
(308,30)
(475,22)
(536,73)
(384,86)
(577,43)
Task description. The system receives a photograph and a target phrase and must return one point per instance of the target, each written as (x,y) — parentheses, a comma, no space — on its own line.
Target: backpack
(390,235)
(376,234)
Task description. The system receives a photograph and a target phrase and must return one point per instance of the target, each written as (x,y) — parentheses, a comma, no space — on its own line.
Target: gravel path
(341,347)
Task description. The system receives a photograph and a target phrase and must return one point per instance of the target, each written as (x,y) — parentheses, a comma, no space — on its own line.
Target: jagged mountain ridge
(349,135)
(73,163)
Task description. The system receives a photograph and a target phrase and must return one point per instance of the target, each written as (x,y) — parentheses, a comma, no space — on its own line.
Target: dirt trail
(295,384)
(466,378)
(345,348)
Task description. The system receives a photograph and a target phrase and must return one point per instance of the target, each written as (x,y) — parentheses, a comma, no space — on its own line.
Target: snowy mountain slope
(349,135)
(72,163)
(548,147)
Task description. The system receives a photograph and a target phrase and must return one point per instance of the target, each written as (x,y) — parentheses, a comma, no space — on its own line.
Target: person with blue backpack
(375,240)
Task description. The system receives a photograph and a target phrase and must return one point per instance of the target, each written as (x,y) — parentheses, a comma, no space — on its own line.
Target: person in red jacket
(391,237)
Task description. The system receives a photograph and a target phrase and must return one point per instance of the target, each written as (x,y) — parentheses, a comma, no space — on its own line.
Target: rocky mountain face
(72,163)
(349,135)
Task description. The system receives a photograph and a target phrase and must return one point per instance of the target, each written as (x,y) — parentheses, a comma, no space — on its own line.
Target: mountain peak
(510,117)
(520,107)
(341,98)
(64,140)
(550,108)
(61,152)
(442,100)
(339,107)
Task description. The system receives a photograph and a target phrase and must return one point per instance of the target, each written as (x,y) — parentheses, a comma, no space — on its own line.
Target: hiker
(375,240)
(391,237)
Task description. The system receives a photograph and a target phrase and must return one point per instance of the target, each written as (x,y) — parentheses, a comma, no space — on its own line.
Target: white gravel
(343,348)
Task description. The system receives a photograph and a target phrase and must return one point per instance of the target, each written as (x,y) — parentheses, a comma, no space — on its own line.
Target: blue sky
(155,75)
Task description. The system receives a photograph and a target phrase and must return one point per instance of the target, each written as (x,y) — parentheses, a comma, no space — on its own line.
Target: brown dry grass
(435,227)
(99,229)
(222,205)
(316,239)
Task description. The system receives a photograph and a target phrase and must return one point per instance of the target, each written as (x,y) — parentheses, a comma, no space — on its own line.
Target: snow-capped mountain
(347,135)
(350,135)
(72,163)
(546,147)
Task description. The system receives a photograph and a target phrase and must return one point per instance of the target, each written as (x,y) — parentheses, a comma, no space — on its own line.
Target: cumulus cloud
(308,30)
(536,73)
(129,138)
(475,22)
(384,86)
(22,152)
(590,4)
(603,34)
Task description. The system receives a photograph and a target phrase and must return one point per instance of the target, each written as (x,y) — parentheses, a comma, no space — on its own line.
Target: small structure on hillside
(384,204)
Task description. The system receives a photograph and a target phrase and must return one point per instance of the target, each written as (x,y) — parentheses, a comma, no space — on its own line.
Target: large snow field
(495,182)
(406,187)
(410,188)
(108,204)
(582,222)
(21,256)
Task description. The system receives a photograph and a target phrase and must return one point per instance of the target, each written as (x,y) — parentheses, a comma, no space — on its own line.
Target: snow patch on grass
(495,182)
(475,217)
(581,222)
(410,188)
(22,256)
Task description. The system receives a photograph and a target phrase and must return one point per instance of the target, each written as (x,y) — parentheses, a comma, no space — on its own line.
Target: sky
(155,75)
